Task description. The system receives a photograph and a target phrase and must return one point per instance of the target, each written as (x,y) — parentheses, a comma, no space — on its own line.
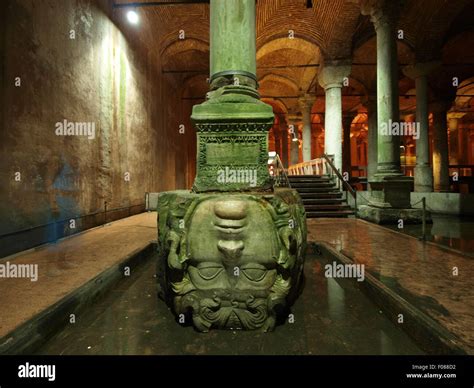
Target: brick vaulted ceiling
(330,29)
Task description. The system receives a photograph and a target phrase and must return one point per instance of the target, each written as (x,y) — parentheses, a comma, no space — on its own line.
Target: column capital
(294,118)
(421,69)
(306,101)
(332,74)
(381,12)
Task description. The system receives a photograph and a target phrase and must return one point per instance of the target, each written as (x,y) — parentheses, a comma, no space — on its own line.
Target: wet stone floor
(332,316)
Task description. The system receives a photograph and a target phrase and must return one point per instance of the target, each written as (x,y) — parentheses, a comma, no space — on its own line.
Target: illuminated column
(384,14)
(440,146)
(346,145)
(306,103)
(284,140)
(371,106)
(331,78)
(294,121)
(423,173)
(454,151)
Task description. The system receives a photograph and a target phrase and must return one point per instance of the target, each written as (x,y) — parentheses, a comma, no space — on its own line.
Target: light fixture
(132,17)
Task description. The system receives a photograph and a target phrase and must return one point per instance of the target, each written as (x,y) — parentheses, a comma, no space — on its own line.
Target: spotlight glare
(132,17)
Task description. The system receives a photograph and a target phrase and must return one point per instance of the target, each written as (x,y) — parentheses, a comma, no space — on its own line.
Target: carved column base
(231,261)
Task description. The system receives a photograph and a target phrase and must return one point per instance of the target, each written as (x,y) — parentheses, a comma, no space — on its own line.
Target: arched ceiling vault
(331,29)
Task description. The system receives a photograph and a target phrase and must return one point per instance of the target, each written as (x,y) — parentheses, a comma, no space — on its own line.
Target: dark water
(330,317)
(450,231)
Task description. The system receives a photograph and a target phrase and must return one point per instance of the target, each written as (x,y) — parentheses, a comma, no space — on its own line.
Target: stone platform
(70,273)
(420,273)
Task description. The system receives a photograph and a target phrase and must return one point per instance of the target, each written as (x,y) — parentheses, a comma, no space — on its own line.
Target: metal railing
(324,166)
(277,170)
(333,171)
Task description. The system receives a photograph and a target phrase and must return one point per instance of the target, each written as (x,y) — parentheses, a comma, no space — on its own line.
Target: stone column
(371,106)
(454,151)
(294,121)
(306,103)
(232,39)
(331,77)
(284,140)
(207,234)
(346,145)
(389,189)
(440,146)
(384,14)
(423,174)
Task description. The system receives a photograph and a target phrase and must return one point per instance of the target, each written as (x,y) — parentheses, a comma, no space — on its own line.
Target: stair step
(307,176)
(321,207)
(328,213)
(315,189)
(317,201)
(317,180)
(297,185)
(335,194)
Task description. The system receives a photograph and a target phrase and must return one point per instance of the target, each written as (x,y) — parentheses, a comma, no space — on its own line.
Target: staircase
(320,195)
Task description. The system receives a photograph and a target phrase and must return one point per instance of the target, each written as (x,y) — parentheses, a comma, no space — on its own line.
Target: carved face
(233,246)
(232,259)
(232,256)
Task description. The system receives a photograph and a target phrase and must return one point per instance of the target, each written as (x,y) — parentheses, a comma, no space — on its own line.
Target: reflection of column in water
(336,299)
(386,346)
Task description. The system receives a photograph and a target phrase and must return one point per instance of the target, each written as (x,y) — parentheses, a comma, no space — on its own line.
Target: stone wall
(73,63)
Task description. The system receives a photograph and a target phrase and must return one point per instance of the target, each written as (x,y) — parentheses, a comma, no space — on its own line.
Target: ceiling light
(132,17)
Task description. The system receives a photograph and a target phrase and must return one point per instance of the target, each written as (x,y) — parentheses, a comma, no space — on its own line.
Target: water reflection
(332,316)
(450,231)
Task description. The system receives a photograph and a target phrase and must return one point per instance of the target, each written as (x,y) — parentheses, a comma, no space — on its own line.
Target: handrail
(348,187)
(280,171)
(310,167)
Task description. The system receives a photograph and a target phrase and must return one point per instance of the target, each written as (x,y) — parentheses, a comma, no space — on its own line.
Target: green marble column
(233,40)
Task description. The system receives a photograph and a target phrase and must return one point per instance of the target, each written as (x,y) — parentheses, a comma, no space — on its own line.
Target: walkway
(65,266)
(421,272)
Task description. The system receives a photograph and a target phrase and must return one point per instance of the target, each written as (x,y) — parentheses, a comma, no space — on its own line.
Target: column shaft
(372,139)
(232,36)
(284,141)
(333,125)
(294,145)
(423,173)
(307,133)
(440,150)
(388,146)
(346,146)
